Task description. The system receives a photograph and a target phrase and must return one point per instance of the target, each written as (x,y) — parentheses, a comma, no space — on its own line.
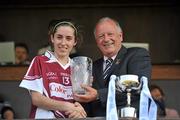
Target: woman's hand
(73,110)
(76,112)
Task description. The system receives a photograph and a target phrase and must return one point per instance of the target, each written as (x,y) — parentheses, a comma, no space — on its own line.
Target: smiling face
(63,40)
(108,37)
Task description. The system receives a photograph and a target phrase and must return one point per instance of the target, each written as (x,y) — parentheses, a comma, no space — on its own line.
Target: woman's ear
(75,43)
(52,39)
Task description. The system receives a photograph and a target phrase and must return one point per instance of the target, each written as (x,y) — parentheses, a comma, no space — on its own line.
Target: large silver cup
(81,73)
(127,83)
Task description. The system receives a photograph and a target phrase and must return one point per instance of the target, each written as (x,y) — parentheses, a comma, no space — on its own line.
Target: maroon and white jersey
(49,77)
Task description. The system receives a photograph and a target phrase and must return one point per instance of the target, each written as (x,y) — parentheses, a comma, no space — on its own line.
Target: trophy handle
(119,86)
(139,86)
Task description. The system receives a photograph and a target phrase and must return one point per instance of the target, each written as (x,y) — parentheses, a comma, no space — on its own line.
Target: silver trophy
(81,73)
(127,83)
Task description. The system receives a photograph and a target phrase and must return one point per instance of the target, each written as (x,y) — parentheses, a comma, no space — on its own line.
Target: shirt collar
(113,57)
(52,58)
(50,55)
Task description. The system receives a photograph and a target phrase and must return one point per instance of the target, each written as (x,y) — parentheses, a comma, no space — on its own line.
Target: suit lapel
(116,62)
(99,71)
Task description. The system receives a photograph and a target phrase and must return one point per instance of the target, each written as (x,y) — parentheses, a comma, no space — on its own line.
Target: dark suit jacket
(128,61)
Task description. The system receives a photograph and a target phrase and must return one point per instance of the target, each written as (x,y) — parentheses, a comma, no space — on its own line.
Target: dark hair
(153,86)
(63,22)
(6,108)
(23,45)
(54,24)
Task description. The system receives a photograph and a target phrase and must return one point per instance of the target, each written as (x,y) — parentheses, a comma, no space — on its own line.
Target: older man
(117,60)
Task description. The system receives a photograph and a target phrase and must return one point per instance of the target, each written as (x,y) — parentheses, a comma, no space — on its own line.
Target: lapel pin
(117,61)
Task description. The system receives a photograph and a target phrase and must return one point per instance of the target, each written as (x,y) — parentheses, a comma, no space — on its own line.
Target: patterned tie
(107,68)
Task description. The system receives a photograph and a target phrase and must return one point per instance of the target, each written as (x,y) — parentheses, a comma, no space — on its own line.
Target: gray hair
(106,19)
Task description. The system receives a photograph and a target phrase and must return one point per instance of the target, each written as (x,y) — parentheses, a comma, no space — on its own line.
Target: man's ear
(121,36)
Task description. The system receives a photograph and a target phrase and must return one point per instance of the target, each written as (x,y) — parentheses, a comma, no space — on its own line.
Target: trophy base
(128,112)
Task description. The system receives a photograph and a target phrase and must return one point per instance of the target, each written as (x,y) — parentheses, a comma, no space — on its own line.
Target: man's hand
(91,94)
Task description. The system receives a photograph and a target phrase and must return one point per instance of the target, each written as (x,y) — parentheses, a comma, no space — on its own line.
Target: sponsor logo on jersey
(51,75)
(59,90)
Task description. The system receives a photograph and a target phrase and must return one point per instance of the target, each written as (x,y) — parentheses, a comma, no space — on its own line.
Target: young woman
(48,77)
